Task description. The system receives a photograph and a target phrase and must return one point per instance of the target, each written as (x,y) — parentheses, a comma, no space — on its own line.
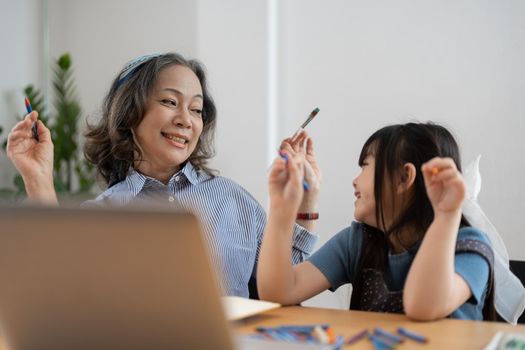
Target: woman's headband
(132,66)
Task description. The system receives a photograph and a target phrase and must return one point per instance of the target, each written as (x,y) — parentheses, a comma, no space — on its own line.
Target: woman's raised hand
(32,158)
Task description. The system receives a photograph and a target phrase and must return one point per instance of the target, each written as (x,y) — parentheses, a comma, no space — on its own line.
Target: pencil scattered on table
(312,334)
(384,340)
(391,337)
(357,337)
(324,334)
(414,336)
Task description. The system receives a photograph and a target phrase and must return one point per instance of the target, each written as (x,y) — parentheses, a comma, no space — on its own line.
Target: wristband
(307,216)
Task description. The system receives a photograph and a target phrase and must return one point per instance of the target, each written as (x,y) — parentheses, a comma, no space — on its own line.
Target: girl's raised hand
(445,185)
(285,183)
(304,145)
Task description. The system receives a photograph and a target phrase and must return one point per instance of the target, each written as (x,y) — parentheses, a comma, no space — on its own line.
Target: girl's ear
(407,178)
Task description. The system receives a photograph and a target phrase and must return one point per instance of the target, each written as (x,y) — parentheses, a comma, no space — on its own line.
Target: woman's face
(365,203)
(170,129)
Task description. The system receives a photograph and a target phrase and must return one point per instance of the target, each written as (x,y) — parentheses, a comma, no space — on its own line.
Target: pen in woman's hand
(34,128)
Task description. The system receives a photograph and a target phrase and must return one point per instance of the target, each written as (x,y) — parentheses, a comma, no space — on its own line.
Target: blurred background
(364,63)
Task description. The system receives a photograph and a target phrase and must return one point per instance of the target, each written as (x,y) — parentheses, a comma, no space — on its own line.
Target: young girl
(409,250)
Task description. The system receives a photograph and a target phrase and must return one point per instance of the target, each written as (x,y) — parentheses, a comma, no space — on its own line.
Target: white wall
(370,63)
(22,51)
(364,64)
(103,35)
(232,44)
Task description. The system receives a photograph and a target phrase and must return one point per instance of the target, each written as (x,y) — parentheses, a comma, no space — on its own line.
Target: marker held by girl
(306,122)
(285,157)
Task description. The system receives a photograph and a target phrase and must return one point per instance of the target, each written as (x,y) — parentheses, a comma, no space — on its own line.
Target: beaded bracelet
(307,216)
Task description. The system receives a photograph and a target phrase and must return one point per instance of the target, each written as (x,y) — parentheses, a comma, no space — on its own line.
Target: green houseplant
(73,176)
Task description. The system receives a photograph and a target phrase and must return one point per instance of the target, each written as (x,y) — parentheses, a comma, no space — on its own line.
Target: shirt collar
(136,180)
(194,175)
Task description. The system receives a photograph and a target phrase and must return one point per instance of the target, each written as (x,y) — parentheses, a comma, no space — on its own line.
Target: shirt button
(171,199)
(177,178)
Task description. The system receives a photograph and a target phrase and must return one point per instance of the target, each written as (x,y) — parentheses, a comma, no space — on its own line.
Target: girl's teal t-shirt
(339,257)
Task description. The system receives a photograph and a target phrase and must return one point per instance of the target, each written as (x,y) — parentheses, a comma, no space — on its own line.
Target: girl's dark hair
(110,144)
(392,147)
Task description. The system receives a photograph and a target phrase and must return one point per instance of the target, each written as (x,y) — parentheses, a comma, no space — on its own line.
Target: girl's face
(170,129)
(365,204)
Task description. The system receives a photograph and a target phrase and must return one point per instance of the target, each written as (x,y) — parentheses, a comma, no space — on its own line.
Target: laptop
(109,279)
(106,279)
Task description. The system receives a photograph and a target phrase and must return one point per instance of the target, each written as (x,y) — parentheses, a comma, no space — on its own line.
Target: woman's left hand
(445,185)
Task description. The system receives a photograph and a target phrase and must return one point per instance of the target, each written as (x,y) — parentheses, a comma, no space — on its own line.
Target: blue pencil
(380,344)
(414,336)
(276,335)
(285,157)
(392,337)
(339,342)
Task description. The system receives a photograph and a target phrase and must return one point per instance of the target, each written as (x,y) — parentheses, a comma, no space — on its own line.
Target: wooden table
(442,334)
